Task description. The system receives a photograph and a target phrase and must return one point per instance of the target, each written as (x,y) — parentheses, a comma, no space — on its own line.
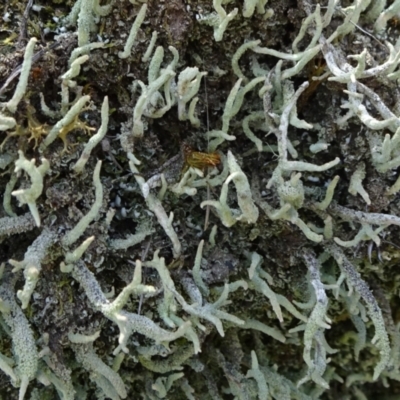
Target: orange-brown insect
(197,159)
(36,73)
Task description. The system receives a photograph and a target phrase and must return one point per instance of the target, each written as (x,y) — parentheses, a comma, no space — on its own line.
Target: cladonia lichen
(189,236)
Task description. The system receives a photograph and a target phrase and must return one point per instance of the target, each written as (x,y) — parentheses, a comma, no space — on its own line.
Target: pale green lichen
(210,311)
(23,342)
(94,140)
(249,212)
(133,33)
(219,20)
(22,83)
(317,322)
(259,377)
(380,340)
(288,174)
(356,183)
(106,378)
(74,234)
(127,322)
(188,85)
(31,264)
(29,196)
(155,206)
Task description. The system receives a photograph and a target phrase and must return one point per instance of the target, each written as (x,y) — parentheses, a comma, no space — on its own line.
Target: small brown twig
(24,22)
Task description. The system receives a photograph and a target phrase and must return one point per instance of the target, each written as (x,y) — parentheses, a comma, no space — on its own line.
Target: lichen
(144,269)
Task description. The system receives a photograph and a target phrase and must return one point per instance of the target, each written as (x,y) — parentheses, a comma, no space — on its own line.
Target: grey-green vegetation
(200,199)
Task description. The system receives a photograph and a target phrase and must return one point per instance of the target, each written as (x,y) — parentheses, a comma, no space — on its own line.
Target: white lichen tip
(6,122)
(244,197)
(356,183)
(29,195)
(23,79)
(249,210)
(95,139)
(224,19)
(196,271)
(72,236)
(74,256)
(258,376)
(83,339)
(154,205)
(133,33)
(250,5)
(188,85)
